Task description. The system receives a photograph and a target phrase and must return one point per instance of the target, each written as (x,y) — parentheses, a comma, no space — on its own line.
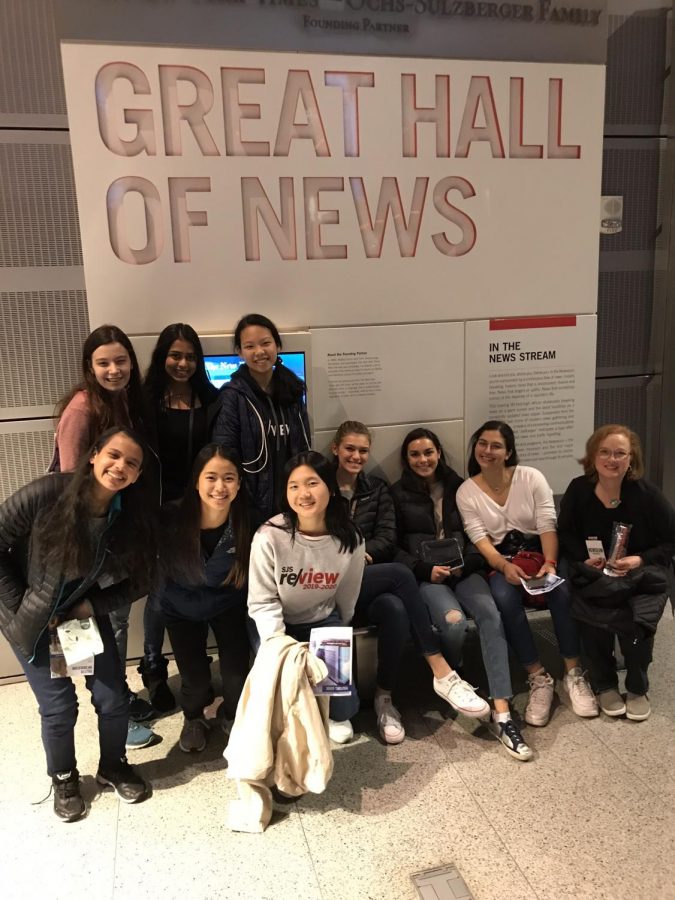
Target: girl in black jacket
(206,540)
(389,596)
(74,546)
(426,510)
(177,394)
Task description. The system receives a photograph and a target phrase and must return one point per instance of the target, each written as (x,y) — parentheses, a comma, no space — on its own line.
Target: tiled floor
(592,816)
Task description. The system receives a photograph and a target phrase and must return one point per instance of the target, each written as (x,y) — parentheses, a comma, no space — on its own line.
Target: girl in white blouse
(500,497)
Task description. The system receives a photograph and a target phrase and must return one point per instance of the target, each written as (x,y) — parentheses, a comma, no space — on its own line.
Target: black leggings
(188,640)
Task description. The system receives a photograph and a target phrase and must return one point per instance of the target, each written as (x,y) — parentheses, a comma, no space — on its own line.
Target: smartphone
(537,582)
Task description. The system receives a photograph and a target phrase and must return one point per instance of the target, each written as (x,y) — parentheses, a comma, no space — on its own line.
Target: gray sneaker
(193,736)
(538,709)
(611,703)
(637,707)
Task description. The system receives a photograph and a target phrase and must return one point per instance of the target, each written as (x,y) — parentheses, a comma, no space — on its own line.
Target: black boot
(155,680)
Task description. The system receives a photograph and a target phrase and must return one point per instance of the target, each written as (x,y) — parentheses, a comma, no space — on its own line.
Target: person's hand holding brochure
(543,585)
(333,646)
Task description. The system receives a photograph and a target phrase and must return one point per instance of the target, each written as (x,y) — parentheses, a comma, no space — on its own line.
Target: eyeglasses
(494,448)
(618,455)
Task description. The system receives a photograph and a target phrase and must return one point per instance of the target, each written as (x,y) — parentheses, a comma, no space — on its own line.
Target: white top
(300,581)
(529,507)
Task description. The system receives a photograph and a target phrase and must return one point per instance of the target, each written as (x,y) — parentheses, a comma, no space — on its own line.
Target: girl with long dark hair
(389,596)
(177,394)
(206,541)
(426,510)
(262,411)
(108,395)
(74,545)
(313,532)
(506,506)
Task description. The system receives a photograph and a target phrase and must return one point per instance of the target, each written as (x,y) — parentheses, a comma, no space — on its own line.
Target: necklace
(614,503)
(497,490)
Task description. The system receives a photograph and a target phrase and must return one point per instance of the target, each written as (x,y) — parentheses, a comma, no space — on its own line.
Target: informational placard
(330,190)
(383,375)
(537,374)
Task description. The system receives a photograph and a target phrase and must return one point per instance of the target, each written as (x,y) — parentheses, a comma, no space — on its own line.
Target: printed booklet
(334,647)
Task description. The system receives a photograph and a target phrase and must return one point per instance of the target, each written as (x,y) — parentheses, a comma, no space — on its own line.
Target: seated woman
(426,510)
(629,603)
(206,539)
(74,545)
(499,497)
(389,596)
(314,532)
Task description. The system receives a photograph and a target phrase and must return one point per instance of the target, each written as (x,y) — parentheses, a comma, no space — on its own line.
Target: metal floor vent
(443,883)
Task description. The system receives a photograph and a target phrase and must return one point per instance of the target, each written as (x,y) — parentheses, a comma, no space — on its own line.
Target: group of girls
(241,513)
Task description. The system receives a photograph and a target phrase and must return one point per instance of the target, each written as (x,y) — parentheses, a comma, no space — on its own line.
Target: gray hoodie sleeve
(264,603)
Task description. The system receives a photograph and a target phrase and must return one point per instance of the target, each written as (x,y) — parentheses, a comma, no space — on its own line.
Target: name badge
(595,548)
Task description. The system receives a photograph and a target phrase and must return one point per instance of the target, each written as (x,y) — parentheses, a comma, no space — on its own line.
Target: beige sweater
(279,734)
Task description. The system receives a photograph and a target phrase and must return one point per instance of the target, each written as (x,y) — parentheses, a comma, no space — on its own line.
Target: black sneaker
(68,803)
(127,783)
(140,710)
(508,733)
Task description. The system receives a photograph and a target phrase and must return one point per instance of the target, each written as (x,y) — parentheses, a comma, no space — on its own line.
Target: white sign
(331,190)
(384,375)
(537,374)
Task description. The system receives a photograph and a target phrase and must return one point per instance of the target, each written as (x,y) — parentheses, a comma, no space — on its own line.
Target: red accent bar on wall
(533,322)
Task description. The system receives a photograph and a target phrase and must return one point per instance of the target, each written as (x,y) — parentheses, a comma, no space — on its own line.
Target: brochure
(541,585)
(334,647)
(80,639)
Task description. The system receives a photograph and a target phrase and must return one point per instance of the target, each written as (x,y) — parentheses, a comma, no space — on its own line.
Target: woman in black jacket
(177,394)
(389,596)
(261,411)
(206,540)
(75,545)
(627,603)
(426,510)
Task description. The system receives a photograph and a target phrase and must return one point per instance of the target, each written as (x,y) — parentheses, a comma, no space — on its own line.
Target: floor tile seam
(115,844)
(500,839)
(298,812)
(642,780)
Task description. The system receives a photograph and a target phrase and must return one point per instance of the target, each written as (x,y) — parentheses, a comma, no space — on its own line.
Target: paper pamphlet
(535,586)
(334,646)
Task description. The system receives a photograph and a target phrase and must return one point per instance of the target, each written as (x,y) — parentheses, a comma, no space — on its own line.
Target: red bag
(529,561)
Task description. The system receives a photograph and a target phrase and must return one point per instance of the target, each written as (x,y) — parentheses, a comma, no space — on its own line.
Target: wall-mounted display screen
(222,367)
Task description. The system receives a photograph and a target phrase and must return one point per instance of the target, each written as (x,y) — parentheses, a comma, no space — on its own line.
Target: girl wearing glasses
(627,603)
(502,500)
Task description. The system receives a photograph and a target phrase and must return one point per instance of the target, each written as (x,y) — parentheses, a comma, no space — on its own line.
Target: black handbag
(443,552)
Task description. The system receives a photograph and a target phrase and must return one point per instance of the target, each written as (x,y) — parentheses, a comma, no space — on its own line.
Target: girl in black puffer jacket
(206,540)
(389,596)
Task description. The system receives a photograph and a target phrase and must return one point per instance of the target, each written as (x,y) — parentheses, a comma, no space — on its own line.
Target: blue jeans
(447,619)
(472,597)
(509,600)
(57,702)
(390,598)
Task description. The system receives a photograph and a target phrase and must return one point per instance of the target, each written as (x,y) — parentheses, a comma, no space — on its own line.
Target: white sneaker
(538,709)
(582,698)
(340,732)
(388,720)
(461,696)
